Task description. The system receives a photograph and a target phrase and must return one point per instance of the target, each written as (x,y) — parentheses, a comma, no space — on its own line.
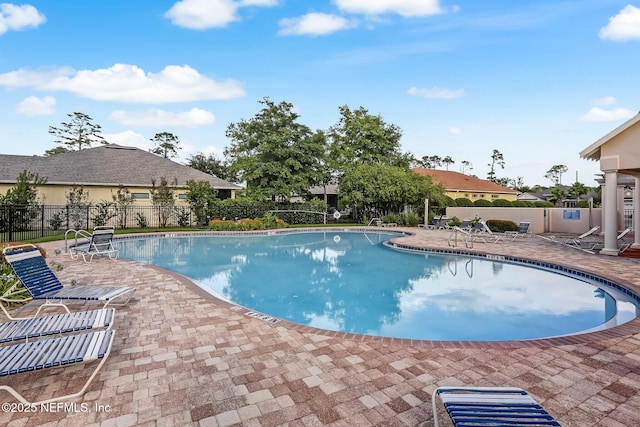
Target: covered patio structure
(618,153)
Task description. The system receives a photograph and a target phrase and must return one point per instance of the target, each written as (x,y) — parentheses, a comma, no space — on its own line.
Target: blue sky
(537,80)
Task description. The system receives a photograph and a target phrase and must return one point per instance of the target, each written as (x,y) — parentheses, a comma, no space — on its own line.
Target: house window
(466,195)
(494,196)
(475,196)
(182,196)
(140,196)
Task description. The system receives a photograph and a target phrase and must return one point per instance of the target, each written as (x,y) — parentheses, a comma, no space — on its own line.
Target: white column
(636,214)
(610,220)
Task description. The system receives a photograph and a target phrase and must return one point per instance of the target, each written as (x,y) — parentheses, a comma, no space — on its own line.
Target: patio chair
(55,352)
(42,284)
(483,229)
(490,406)
(100,242)
(585,241)
(522,231)
(27,328)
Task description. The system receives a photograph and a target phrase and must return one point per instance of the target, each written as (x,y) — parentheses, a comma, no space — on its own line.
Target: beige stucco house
(459,185)
(619,154)
(102,170)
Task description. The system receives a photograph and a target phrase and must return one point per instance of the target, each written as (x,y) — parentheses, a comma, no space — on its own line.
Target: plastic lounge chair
(31,269)
(486,232)
(49,353)
(523,230)
(490,406)
(100,243)
(623,244)
(25,329)
(585,241)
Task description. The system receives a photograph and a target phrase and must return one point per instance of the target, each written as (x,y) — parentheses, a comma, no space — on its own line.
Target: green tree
(465,166)
(200,195)
(557,196)
(429,162)
(78,207)
(163,199)
(497,159)
(58,150)
(166,145)
(25,190)
(78,133)
(24,198)
(447,161)
(211,165)
(383,189)
(275,154)
(555,174)
(578,189)
(361,138)
(123,199)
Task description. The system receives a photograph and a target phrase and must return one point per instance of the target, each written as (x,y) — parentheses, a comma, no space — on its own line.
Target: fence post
(42,221)
(10,222)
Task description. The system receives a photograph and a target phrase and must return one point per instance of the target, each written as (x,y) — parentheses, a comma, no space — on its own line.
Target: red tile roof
(456,181)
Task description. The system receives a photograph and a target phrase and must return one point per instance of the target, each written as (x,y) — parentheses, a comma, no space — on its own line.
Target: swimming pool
(352,282)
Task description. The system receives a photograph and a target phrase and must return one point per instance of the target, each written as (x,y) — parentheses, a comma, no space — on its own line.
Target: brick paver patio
(183,357)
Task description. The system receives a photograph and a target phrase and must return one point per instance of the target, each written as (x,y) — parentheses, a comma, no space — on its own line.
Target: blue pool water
(350,281)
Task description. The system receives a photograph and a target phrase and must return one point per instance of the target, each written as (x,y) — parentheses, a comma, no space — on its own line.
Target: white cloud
(129,138)
(128,83)
(262,3)
(607,100)
(624,26)
(34,106)
(597,114)
(455,131)
(436,92)
(315,24)
(207,14)
(195,117)
(14,17)
(401,7)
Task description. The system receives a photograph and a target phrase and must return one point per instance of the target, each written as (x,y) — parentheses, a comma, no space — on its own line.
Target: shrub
(500,226)
(482,203)
(391,218)
(502,203)
(463,202)
(543,204)
(454,221)
(141,220)
(247,224)
(582,204)
(410,219)
(519,204)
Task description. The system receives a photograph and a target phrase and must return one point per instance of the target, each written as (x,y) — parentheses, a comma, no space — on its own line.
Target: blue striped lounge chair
(37,327)
(42,284)
(48,353)
(99,243)
(490,406)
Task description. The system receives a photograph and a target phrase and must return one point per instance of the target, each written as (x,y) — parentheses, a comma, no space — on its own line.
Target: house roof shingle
(109,164)
(456,181)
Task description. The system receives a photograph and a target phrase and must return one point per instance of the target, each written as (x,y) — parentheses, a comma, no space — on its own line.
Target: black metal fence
(19,223)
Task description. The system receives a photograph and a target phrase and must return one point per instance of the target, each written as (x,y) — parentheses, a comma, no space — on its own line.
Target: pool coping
(629,328)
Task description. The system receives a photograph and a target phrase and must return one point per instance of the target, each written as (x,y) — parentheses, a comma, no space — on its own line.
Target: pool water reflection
(351,282)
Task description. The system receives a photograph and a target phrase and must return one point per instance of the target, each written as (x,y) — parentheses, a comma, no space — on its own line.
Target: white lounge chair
(490,406)
(522,231)
(584,242)
(55,352)
(100,242)
(28,328)
(41,283)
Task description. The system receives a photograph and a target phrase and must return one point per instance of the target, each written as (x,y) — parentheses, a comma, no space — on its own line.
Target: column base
(611,252)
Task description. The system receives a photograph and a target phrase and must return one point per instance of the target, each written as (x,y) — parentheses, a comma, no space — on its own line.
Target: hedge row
(235,209)
(464,202)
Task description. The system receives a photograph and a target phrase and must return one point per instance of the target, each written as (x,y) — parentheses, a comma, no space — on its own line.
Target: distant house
(459,185)
(102,170)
